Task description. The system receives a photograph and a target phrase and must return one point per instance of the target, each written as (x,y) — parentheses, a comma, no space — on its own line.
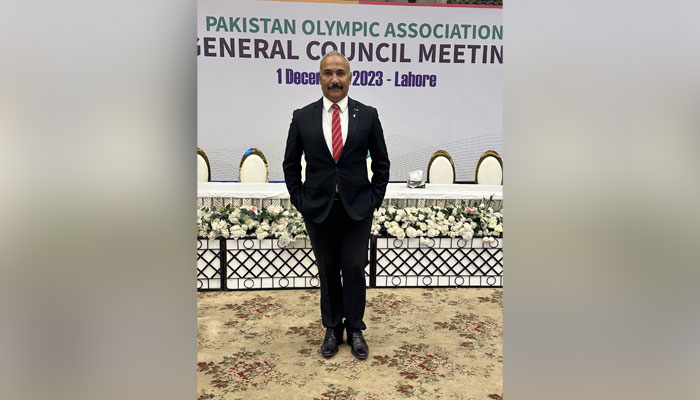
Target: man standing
(337,199)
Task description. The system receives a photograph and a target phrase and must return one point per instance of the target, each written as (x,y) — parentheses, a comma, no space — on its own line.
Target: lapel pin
(353,115)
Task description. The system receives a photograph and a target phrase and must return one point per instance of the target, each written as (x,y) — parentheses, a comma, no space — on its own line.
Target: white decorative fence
(249,263)
(440,262)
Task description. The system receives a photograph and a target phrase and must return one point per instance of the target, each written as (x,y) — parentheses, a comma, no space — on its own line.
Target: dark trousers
(340,245)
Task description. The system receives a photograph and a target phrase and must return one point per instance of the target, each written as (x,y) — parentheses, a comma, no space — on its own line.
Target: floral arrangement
(451,221)
(287,224)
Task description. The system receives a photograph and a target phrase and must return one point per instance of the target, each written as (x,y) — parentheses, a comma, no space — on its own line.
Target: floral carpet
(441,343)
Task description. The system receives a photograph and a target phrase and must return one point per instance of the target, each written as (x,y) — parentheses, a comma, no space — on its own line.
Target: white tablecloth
(238,190)
(220,193)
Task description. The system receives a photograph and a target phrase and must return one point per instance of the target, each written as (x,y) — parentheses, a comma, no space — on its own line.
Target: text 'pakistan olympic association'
(465,46)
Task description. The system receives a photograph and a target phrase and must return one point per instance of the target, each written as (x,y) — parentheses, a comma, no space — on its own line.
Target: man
(337,199)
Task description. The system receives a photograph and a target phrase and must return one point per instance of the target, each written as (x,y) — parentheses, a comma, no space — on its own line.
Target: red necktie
(337,134)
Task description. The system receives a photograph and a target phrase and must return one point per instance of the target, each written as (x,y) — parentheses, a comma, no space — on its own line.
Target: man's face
(335,78)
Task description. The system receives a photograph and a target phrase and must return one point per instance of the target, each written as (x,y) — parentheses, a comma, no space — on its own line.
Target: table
(217,194)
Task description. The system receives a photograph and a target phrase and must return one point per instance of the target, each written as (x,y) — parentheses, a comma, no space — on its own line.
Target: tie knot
(335,107)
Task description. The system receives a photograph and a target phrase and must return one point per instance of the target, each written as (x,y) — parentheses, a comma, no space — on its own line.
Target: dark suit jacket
(314,197)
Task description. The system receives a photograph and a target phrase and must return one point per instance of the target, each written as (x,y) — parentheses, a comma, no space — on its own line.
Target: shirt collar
(343,104)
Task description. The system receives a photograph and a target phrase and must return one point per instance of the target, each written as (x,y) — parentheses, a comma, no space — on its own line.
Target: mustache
(335,86)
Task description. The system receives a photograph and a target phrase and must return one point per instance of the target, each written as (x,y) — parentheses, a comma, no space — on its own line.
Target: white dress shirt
(328,121)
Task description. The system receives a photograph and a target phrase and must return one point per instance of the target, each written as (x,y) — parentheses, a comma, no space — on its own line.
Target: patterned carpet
(438,343)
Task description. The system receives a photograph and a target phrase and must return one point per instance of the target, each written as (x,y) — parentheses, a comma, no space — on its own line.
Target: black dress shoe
(358,345)
(330,343)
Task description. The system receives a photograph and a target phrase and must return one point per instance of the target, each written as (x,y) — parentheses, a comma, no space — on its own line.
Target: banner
(434,73)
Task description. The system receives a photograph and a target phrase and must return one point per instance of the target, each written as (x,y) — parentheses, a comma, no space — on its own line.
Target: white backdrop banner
(433,72)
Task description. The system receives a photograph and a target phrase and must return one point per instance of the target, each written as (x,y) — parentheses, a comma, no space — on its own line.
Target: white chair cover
(202,169)
(253,169)
(303,168)
(441,171)
(489,172)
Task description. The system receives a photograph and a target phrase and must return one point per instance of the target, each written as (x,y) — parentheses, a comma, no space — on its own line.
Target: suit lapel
(353,119)
(318,127)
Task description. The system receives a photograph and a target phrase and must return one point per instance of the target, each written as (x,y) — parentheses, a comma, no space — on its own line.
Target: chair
(303,167)
(369,168)
(253,167)
(203,168)
(489,169)
(441,168)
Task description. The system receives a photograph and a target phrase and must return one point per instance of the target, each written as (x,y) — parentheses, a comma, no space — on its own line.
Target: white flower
(237,233)
(284,239)
(218,224)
